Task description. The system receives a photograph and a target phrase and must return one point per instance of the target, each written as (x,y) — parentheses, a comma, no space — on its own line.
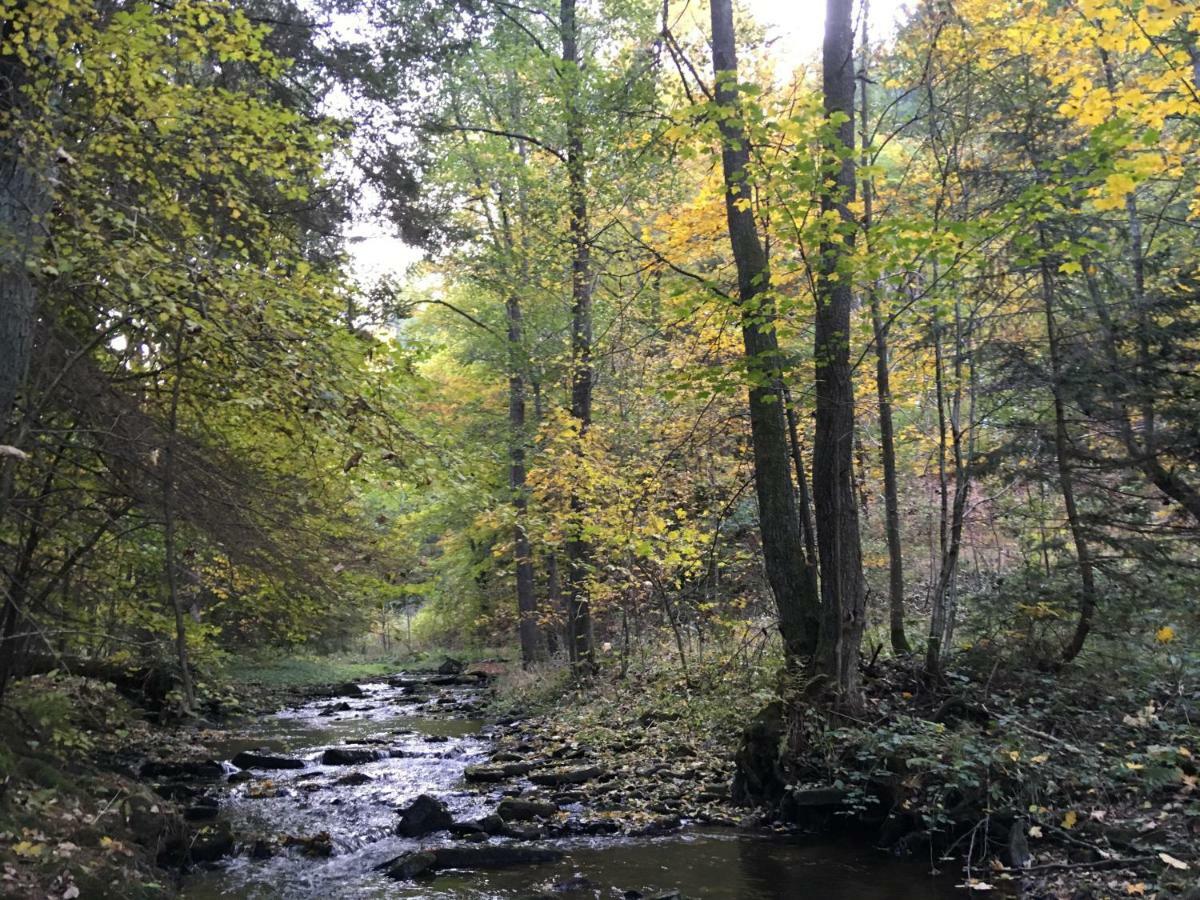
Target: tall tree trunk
(842,594)
(941,624)
(527,626)
(779,520)
(883,388)
(24,203)
(169,550)
(578,551)
(1087,599)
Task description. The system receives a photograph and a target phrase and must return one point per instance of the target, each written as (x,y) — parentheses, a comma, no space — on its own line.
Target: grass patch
(302,670)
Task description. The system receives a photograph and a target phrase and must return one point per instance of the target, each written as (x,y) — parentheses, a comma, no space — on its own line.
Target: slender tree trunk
(554,599)
(169,560)
(527,626)
(883,388)
(779,520)
(941,626)
(939,381)
(842,594)
(579,615)
(1087,599)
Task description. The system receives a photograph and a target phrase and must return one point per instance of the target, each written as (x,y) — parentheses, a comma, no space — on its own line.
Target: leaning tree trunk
(843,599)
(578,551)
(779,521)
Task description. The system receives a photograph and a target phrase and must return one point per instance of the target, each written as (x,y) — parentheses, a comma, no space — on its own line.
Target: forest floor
(1080,784)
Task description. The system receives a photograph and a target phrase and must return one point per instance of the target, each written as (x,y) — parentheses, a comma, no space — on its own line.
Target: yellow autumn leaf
(1070,819)
(1135,888)
(1165,635)
(1118,184)
(28,849)
(1041,758)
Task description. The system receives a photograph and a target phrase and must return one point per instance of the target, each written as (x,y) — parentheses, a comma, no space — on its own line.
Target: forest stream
(324,830)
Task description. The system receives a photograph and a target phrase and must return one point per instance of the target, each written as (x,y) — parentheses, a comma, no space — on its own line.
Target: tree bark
(527,626)
(578,551)
(24,203)
(842,595)
(779,520)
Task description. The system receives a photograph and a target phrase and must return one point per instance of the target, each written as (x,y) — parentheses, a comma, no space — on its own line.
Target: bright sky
(799,25)
(796,27)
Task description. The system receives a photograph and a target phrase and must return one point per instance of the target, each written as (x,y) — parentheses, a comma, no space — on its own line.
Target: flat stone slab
(350,756)
(514,809)
(490,773)
(498,856)
(248,759)
(201,769)
(566,775)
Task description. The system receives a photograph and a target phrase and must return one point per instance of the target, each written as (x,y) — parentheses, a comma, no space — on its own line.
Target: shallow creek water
(702,864)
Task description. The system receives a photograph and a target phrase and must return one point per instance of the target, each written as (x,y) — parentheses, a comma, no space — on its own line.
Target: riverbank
(1080,783)
(1090,784)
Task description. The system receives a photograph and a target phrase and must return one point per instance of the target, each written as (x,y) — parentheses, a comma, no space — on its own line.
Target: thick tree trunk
(883,388)
(527,626)
(842,594)
(24,203)
(779,520)
(578,551)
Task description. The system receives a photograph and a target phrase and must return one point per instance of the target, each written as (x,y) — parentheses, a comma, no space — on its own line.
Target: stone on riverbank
(423,816)
(350,756)
(566,775)
(515,809)
(488,774)
(249,759)
(428,862)
(206,769)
